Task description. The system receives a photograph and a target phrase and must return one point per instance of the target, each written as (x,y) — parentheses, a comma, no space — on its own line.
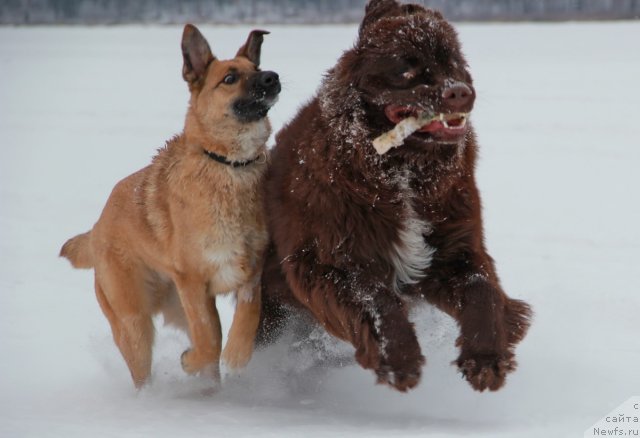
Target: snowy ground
(556,115)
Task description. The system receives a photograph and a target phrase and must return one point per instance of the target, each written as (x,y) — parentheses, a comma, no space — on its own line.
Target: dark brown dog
(357,234)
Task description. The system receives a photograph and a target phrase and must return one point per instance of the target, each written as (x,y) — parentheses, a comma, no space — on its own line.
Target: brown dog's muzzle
(458,97)
(453,97)
(448,105)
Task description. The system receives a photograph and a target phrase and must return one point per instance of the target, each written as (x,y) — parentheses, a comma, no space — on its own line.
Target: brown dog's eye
(230,79)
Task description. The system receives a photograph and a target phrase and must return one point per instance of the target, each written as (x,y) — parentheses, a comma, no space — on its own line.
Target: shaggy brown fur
(357,235)
(186,228)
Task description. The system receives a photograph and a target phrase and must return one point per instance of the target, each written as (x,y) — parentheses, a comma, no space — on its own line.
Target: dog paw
(486,371)
(401,371)
(401,378)
(190,362)
(395,356)
(193,363)
(236,356)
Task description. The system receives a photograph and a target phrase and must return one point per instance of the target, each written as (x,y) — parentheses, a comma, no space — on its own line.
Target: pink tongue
(432,127)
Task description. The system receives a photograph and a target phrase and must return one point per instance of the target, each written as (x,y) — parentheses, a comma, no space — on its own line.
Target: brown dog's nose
(458,96)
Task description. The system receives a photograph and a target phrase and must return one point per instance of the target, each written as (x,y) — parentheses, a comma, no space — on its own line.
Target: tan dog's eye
(230,79)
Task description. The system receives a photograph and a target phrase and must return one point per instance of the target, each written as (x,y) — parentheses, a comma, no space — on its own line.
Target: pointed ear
(376,9)
(251,49)
(196,54)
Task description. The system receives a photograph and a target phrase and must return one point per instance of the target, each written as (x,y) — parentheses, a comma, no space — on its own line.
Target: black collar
(234,164)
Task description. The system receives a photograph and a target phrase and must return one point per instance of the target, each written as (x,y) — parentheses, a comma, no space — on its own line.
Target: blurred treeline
(296,11)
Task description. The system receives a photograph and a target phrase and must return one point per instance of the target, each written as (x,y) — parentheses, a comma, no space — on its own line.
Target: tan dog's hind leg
(204,328)
(237,352)
(131,324)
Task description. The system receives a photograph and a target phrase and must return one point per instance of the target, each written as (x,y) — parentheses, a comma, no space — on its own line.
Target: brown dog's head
(408,60)
(230,99)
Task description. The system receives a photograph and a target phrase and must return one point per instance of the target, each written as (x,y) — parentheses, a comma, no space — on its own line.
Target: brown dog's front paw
(486,371)
(403,377)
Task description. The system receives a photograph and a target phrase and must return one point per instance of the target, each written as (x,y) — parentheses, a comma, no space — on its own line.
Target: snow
(80,108)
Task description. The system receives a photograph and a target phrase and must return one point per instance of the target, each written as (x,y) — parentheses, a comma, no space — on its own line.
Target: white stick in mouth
(403,129)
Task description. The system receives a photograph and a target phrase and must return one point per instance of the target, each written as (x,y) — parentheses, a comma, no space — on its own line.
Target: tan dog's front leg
(237,352)
(204,323)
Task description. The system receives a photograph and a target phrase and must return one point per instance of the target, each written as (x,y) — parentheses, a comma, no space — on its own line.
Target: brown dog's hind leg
(242,334)
(131,324)
(275,297)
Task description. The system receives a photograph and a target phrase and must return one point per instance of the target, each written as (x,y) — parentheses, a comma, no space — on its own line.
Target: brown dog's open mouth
(442,127)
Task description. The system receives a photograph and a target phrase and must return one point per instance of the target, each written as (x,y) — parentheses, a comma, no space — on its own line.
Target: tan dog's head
(230,99)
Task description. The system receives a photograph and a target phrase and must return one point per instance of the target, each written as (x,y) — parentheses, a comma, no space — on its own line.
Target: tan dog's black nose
(458,97)
(269,80)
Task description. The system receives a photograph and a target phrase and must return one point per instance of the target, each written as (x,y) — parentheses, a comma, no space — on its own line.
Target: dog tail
(78,251)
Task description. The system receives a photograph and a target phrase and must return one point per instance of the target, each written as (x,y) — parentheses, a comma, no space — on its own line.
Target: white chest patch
(228,274)
(411,256)
(248,140)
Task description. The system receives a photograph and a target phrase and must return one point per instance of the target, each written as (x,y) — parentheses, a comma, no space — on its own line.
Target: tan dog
(190,226)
